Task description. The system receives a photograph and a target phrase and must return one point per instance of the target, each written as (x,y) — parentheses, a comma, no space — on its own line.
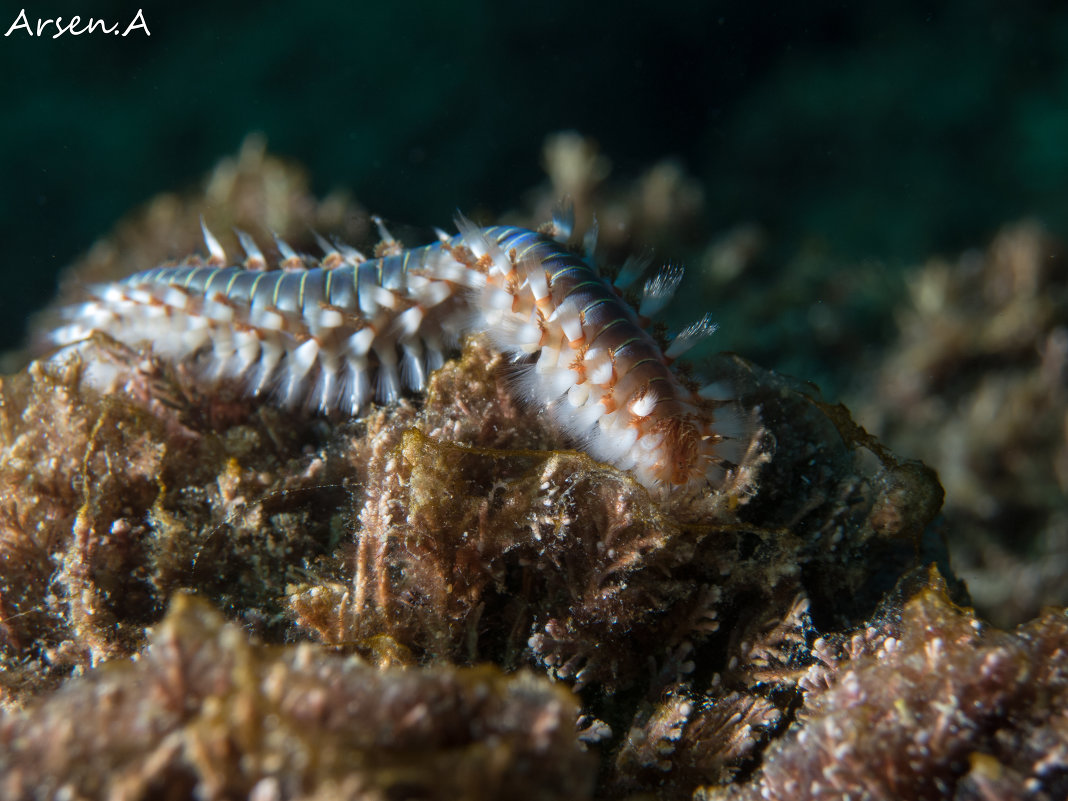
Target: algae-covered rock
(408,550)
(205,713)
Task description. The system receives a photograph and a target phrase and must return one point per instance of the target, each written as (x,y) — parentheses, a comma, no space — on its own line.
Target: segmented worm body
(345,331)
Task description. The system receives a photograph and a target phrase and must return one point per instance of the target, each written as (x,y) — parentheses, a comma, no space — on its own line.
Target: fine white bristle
(388,385)
(351,256)
(383,232)
(563,221)
(589,243)
(290,257)
(217,256)
(328,248)
(254,259)
(632,270)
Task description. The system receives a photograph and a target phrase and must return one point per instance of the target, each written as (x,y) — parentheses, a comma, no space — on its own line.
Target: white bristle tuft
(411,370)
(270,355)
(643,406)
(598,366)
(578,394)
(176,297)
(557,382)
(497,299)
(331,318)
(548,359)
(732,423)
(468,230)
(271,319)
(247,351)
(660,289)
(360,342)
(218,311)
(408,321)
(625,439)
(567,316)
(384,297)
(303,357)
(356,385)
(691,336)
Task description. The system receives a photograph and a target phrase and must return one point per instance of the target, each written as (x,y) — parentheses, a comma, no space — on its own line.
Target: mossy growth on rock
(447,597)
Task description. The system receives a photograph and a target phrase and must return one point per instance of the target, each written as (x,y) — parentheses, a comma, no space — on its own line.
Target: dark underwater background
(883,131)
(860,139)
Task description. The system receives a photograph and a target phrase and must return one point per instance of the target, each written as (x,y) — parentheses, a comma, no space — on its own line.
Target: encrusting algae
(411,572)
